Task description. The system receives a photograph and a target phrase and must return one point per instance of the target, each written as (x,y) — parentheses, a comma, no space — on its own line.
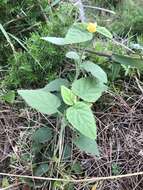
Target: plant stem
(78,63)
(103,54)
(61,139)
(60,144)
(77,71)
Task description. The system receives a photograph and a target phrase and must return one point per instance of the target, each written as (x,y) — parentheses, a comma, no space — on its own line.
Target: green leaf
(128,61)
(56,84)
(36,147)
(70,186)
(116,170)
(9,97)
(77,168)
(41,170)
(43,101)
(104,32)
(88,89)
(7,37)
(67,152)
(87,145)
(115,70)
(81,118)
(54,40)
(54,3)
(95,70)
(77,34)
(72,55)
(68,97)
(57,184)
(5,182)
(42,135)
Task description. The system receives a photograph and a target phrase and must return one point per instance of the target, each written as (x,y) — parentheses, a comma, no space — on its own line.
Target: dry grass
(120,140)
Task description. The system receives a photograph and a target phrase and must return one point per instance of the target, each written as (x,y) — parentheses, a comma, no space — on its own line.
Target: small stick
(103,54)
(85,180)
(138,83)
(42,12)
(99,8)
(79,5)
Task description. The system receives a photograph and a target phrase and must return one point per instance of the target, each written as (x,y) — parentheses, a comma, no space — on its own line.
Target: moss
(130,19)
(42,60)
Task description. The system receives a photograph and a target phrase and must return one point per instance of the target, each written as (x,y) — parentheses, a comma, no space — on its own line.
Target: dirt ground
(120,138)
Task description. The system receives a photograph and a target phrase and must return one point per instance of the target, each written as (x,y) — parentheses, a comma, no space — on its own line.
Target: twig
(14,20)
(123,45)
(7,38)
(79,5)
(85,180)
(42,11)
(138,83)
(103,54)
(99,8)
(29,28)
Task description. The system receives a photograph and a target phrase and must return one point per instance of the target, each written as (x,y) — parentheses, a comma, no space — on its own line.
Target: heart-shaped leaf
(128,61)
(55,85)
(95,70)
(88,89)
(72,55)
(81,118)
(87,145)
(41,169)
(54,40)
(68,96)
(77,34)
(104,32)
(43,101)
(42,135)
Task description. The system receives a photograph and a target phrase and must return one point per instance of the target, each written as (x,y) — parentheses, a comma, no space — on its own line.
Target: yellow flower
(91,27)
